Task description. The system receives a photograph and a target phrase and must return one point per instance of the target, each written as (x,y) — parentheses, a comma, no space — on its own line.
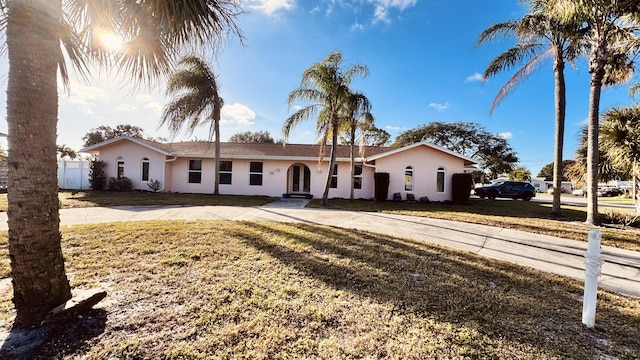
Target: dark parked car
(606,192)
(507,189)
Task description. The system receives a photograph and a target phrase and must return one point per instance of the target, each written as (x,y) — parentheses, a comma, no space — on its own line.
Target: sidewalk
(620,272)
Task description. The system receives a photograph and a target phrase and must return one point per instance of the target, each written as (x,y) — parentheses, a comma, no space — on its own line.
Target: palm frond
(519,77)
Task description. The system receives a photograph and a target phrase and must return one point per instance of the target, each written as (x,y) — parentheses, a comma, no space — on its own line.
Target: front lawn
(212,289)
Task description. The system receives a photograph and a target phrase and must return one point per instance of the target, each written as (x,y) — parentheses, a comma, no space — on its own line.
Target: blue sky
(423,67)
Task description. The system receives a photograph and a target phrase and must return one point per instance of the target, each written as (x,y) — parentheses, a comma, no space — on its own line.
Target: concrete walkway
(620,272)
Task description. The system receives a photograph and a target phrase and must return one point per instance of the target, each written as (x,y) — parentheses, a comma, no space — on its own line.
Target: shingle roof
(266,150)
(243,150)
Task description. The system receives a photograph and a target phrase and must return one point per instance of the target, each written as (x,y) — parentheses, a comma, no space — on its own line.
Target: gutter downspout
(164,171)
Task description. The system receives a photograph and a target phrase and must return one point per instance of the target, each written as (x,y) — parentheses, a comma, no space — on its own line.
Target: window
(255,173)
(334,177)
(408,178)
(225,172)
(120,168)
(145,169)
(440,179)
(357,177)
(195,171)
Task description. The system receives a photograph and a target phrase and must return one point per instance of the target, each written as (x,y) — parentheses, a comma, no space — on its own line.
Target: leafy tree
(325,86)
(252,137)
(520,174)
(610,33)
(373,136)
(195,102)
(104,132)
(468,139)
(620,138)
(540,37)
(40,36)
(547,171)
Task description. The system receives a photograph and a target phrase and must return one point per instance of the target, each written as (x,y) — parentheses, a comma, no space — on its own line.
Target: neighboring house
(420,169)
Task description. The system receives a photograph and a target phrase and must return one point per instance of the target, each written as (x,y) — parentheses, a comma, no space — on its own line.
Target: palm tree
(610,28)
(66,151)
(357,116)
(40,35)
(620,138)
(195,102)
(540,37)
(325,85)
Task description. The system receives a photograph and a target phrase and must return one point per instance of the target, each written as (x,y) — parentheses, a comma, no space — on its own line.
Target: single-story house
(420,169)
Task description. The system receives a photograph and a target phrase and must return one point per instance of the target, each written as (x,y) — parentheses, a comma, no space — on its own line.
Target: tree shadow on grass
(55,340)
(498,299)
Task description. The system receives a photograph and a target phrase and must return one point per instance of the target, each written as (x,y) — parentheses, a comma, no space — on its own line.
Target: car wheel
(526,197)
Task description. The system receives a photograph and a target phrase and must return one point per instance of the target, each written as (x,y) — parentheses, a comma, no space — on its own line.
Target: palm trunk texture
(560,104)
(37,265)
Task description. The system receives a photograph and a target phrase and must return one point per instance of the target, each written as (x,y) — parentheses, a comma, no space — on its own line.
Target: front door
(299,179)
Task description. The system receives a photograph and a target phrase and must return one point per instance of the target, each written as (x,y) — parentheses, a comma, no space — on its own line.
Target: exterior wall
(275,178)
(425,162)
(132,154)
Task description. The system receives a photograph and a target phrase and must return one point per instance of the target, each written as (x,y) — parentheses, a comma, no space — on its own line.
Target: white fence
(73,174)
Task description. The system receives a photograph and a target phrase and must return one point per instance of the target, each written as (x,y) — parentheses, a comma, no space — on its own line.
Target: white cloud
(393,128)
(505,135)
(382,7)
(475,77)
(357,26)
(126,108)
(439,107)
(269,7)
(86,98)
(237,114)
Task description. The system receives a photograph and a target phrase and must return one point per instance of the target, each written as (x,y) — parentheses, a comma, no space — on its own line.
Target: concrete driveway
(620,272)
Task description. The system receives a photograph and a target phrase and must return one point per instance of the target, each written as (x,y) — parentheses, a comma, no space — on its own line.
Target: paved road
(620,272)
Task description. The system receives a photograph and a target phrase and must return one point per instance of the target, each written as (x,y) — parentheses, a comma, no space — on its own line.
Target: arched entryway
(299,179)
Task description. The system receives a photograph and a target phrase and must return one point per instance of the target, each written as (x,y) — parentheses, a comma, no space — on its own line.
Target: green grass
(211,289)
(521,215)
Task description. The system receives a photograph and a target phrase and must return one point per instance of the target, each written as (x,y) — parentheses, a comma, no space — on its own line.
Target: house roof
(391,151)
(240,150)
(232,150)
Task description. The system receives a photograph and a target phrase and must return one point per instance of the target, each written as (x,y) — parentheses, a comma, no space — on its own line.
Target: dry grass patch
(210,289)
(520,215)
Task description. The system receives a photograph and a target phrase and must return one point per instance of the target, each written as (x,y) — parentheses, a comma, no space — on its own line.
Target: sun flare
(110,41)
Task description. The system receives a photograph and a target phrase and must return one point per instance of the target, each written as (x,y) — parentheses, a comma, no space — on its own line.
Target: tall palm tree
(40,35)
(540,37)
(195,102)
(357,116)
(620,138)
(325,86)
(610,33)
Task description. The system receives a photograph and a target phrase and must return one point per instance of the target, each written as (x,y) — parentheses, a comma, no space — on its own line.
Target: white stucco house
(420,169)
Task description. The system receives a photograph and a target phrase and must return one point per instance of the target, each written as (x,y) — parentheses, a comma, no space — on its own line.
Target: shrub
(626,219)
(121,184)
(154,185)
(97,177)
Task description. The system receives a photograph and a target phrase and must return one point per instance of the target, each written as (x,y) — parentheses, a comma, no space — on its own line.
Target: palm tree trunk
(351,161)
(596,68)
(37,264)
(216,119)
(560,105)
(332,162)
